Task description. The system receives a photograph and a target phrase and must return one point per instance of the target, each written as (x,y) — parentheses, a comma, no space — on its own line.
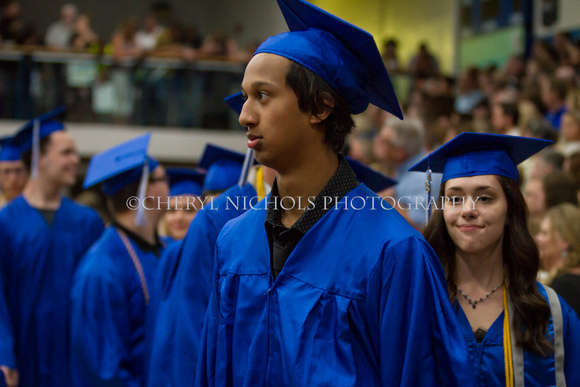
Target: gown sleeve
(100,330)
(408,295)
(206,356)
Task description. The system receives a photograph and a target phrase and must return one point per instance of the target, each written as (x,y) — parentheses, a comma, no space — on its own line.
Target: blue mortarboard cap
(235,102)
(8,150)
(185,181)
(376,181)
(474,154)
(223,167)
(47,124)
(342,54)
(120,165)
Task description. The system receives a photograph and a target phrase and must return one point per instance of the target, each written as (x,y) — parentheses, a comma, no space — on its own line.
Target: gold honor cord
(260,183)
(507,345)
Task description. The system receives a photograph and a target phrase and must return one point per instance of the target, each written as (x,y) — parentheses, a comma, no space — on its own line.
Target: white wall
(568,17)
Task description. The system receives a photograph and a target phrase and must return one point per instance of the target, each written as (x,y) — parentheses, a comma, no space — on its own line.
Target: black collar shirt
(283,240)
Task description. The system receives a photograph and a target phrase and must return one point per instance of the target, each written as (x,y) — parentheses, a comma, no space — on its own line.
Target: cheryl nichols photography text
(286,203)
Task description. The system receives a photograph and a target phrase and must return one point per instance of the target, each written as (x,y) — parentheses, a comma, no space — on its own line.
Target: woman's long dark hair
(521,262)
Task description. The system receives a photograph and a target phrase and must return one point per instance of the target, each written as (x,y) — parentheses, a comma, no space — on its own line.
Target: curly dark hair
(312,92)
(521,263)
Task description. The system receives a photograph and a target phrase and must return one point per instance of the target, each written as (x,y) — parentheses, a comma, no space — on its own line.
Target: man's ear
(325,106)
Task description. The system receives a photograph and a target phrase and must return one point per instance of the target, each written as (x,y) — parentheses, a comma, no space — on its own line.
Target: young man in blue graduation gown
(112,285)
(183,281)
(43,237)
(345,293)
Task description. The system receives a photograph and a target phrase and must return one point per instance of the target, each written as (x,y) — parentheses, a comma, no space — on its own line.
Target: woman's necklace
(473,303)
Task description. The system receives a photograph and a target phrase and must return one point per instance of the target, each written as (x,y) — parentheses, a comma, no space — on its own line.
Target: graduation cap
(376,181)
(235,102)
(121,165)
(8,150)
(223,167)
(29,136)
(185,181)
(342,54)
(473,154)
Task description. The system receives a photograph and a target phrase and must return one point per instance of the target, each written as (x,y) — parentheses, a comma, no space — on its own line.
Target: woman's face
(475,213)
(182,211)
(570,128)
(551,244)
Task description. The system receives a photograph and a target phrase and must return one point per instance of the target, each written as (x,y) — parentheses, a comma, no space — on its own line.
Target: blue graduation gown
(488,356)
(108,314)
(184,283)
(361,301)
(38,262)
(6,335)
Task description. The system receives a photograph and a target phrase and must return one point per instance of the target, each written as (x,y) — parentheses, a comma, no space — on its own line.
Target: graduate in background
(112,285)
(185,191)
(323,293)
(43,237)
(518,331)
(13,173)
(183,281)
(222,166)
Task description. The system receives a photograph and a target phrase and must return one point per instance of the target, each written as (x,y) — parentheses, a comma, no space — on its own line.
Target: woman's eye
(456,199)
(484,199)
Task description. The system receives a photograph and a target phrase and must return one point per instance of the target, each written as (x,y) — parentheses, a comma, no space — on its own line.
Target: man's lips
(252,140)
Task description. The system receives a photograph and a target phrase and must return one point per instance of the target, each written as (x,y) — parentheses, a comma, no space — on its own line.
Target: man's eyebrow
(257,84)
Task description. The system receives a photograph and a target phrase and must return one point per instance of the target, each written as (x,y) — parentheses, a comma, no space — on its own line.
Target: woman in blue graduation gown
(112,285)
(183,288)
(517,331)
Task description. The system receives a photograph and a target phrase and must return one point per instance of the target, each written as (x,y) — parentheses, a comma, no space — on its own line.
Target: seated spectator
(389,55)
(544,55)
(59,33)
(83,35)
(559,187)
(147,38)
(547,162)
(573,99)
(554,93)
(570,127)
(559,243)
(565,49)
(13,30)
(401,144)
(515,70)
(423,64)
(124,40)
(469,94)
(220,44)
(536,201)
(572,166)
(505,118)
